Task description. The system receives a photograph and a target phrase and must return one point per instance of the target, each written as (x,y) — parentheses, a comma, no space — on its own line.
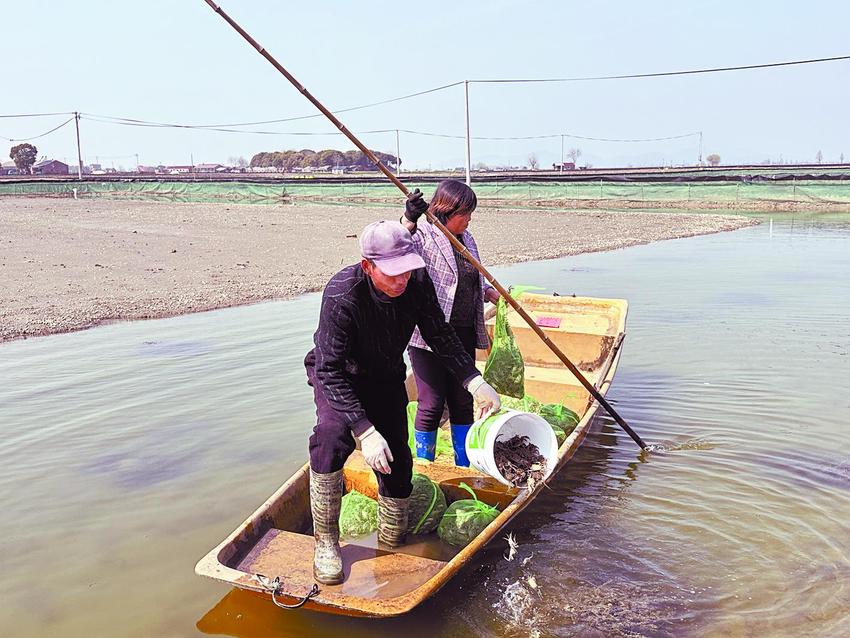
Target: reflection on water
(131,449)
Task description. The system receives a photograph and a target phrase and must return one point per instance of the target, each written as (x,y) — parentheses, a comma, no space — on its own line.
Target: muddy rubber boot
(392,520)
(325,503)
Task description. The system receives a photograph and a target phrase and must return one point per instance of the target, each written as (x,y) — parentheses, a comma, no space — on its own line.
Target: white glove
(486,398)
(376,451)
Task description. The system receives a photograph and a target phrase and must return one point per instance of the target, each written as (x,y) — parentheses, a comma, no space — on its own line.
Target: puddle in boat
(424,545)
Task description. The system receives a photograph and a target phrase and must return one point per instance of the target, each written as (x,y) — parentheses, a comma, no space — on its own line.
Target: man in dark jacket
(357,372)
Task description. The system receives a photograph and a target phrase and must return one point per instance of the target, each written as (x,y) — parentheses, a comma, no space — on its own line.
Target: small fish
(512,547)
(527,559)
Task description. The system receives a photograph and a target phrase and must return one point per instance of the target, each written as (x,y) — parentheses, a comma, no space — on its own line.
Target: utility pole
(79,155)
(468,152)
(137,161)
(397,156)
(699,161)
(562,153)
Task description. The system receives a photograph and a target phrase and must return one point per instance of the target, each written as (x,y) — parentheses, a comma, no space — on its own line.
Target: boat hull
(276,540)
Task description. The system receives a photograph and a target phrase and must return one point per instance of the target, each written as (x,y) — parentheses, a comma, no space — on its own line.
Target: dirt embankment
(70,264)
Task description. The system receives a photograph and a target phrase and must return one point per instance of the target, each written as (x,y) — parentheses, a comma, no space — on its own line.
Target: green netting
(427,505)
(561,418)
(170,191)
(731,191)
(358,515)
(803,190)
(505,369)
(465,519)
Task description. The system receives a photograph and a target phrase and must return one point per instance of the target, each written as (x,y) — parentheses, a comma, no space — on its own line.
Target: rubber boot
(426,445)
(392,520)
(325,503)
(459,444)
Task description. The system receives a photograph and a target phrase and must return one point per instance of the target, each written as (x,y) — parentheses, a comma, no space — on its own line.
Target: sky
(178,62)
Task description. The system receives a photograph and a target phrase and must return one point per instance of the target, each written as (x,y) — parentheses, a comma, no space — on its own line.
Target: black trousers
(436,386)
(332,443)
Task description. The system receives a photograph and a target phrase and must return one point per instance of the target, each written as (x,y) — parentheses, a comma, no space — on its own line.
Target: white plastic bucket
(504,424)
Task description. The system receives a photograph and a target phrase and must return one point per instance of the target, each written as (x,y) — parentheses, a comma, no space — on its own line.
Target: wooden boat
(272,550)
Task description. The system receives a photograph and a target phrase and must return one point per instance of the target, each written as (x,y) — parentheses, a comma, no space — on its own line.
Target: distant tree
(842,158)
(819,157)
(24,156)
(480,166)
(532,162)
(713,159)
(574,154)
(330,157)
(288,160)
(238,162)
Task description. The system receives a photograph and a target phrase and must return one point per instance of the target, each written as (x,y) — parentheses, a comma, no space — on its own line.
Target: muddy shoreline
(69,264)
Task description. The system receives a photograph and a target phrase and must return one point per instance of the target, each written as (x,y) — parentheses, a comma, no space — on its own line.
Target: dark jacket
(362,335)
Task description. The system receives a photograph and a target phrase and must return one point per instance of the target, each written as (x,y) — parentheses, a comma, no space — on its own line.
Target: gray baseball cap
(391,247)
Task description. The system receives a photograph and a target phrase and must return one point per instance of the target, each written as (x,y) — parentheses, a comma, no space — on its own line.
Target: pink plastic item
(549,322)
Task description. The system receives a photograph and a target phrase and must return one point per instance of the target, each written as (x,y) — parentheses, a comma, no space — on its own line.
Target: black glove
(415,206)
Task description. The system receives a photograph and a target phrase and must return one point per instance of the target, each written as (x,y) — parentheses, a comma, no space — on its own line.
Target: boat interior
(277,540)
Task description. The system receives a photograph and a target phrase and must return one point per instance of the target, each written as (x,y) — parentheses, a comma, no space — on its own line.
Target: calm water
(128,451)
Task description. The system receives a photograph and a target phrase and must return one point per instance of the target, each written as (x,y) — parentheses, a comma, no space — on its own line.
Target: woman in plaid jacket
(461,291)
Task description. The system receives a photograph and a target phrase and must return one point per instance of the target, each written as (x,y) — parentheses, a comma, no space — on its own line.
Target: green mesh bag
(465,519)
(505,370)
(444,437)
(561,418)
(427,505)
(525,404)
(358,515)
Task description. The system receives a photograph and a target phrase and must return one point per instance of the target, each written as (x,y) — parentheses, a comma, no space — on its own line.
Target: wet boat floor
(370,572)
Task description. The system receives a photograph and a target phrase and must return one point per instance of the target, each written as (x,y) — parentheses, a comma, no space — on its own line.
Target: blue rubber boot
(459,444)
(426,444)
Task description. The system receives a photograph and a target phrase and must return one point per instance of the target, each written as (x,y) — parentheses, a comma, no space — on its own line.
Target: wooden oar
(431,218)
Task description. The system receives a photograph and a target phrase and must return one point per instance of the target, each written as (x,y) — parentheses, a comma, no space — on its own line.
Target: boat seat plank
(370,573)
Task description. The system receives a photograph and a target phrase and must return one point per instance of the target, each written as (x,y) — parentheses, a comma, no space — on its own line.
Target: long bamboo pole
(458,246)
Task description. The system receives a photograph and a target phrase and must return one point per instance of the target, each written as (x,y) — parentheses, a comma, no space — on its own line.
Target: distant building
(566,166)
(177,170)
(146,170)
(210,168)
(8,168)
(50,167)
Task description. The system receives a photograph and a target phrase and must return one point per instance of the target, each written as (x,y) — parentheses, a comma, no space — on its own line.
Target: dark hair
(451,198)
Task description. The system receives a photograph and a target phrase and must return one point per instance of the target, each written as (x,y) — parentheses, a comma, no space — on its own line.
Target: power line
(38,114)
(125,122)
(276,121)
(458,83)
(35,137)
(128,122)
(663,73)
